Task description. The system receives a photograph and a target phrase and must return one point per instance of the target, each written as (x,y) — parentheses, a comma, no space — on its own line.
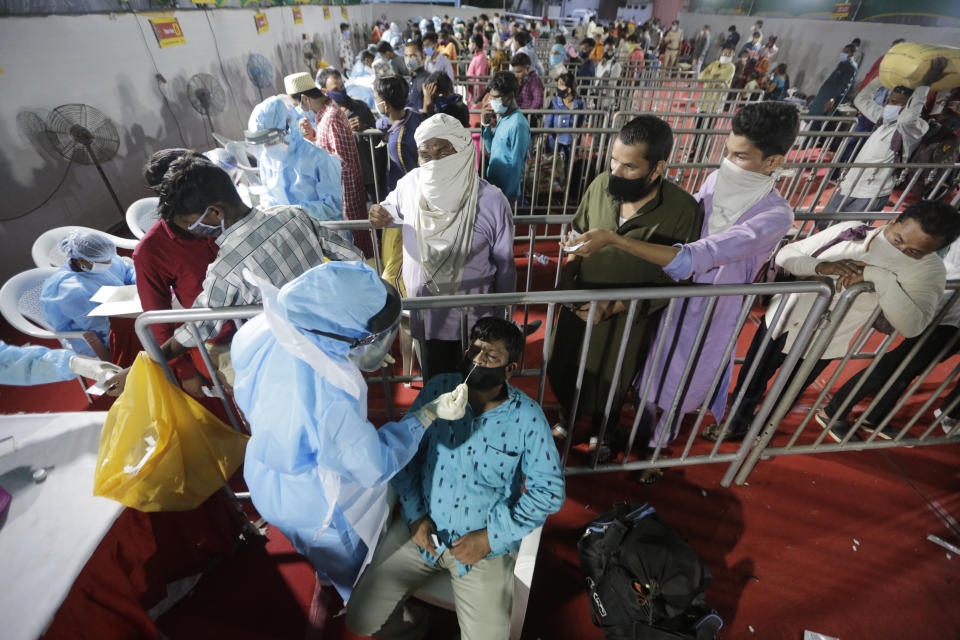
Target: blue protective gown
(363,93)
(306,176)
(65,299)
(300,423)
(24,366)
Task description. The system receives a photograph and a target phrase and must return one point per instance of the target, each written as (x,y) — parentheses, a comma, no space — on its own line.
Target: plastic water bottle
(539,257)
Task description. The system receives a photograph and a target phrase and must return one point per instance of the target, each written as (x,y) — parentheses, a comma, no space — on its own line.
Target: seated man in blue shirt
(507,137)
(476,487)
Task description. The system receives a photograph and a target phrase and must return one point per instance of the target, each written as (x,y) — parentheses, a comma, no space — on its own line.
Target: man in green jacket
(633,200)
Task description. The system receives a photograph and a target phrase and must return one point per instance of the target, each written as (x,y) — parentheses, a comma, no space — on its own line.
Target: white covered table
(51,527)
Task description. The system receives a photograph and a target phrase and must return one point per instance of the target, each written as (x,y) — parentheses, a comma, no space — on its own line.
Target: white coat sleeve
(908,303)
(796,257)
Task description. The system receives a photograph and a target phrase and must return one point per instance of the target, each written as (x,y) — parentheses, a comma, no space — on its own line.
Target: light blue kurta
(733,256)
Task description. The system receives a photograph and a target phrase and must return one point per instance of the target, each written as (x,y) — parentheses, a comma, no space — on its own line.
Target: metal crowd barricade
(554,182)
(764,428)
(813,335)
(550,299)
(643,94)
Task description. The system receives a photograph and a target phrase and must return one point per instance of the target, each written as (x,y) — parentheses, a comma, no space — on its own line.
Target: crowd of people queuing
(473,461)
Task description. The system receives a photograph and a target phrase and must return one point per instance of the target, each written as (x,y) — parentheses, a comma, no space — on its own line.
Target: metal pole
(786,398)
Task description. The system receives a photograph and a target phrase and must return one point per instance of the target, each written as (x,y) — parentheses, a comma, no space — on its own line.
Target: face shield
(270,141)
(368,352)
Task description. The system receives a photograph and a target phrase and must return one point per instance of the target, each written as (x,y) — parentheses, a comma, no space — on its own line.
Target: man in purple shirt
(531,88)
(457,236)
(744,220)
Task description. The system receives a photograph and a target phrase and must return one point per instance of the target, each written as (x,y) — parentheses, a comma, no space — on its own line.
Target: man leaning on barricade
(899,259)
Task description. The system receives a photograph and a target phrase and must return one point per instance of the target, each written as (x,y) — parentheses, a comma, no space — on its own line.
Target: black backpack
(644,581)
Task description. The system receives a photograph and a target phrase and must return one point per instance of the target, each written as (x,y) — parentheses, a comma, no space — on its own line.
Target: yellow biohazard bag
(161,450)
(906,63)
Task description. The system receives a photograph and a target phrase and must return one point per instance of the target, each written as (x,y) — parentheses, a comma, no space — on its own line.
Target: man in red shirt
(171,258)
(334,134)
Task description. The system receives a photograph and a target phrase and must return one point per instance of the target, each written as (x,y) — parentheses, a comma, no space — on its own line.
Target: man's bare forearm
(172,349)
(658,254)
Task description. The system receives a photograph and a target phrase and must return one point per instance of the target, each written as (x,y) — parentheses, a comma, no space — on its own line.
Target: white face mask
(725,59)
(891,112)
(737,190)
(99,267)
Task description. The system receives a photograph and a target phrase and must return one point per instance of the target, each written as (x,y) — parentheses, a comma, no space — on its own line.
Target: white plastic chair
(438,591)
(141,215)
(46,249)
(20,307)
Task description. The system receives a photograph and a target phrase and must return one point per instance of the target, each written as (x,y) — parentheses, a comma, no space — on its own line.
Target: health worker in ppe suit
(25,366)
(92,262)
(316,467)
(294,171)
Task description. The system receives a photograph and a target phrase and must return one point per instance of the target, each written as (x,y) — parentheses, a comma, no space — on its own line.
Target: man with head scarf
(316,467)
(457,235)
(293,170)
(92,262)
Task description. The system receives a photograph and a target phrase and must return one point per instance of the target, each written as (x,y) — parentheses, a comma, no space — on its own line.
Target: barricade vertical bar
(684,378)
(545,358)
(642,400)
(942,354)
(751,371)
(787,397)
(621,352)
(846,358)
(945,411)
(584,349)
(214,378)
(745,307)
(150,345)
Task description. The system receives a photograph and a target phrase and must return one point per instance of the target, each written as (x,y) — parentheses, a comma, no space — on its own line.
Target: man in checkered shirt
(277,243)
(334,135)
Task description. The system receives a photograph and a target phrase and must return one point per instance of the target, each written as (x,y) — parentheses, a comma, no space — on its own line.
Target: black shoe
(839,431)
(531,328)
(889,432)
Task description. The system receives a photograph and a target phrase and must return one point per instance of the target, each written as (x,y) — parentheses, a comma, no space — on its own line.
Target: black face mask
(482,378)
(607,56)
(629,189)
(563,92)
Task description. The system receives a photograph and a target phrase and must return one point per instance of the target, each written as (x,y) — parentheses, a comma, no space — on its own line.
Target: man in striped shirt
(278,243)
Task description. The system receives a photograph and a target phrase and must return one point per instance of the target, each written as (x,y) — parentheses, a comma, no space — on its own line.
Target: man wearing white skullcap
(457,235)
